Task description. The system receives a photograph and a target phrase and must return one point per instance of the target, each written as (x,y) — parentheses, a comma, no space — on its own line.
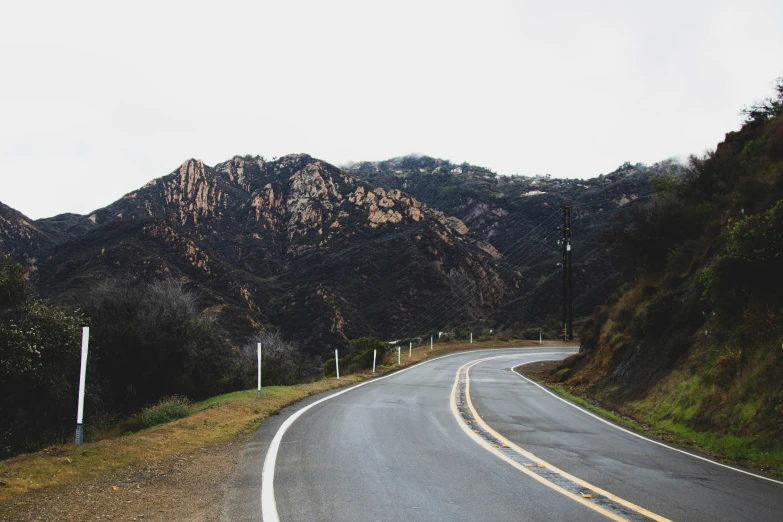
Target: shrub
(588,338)
(39,366)
(330,368)
(166,410)
(150,341)
(656,319)
(624,317)
(282,362)
(745,273)
(362,351)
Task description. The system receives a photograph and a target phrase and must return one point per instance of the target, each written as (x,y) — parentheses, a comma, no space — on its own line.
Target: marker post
(259,370)
(374,353)
(337,365)
(82,379)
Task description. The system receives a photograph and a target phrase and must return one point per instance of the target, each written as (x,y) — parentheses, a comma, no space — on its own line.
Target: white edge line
(553,394)
(268,503)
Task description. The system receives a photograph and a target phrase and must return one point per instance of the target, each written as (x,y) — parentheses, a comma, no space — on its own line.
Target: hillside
(520,217)
(692,340)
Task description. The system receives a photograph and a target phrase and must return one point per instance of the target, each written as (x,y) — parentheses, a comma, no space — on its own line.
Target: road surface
(463,437)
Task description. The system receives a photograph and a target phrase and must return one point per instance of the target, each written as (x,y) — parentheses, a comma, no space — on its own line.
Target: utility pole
(568,298)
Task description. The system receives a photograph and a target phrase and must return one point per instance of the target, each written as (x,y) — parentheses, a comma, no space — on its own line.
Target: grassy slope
(652,417)
(217,420)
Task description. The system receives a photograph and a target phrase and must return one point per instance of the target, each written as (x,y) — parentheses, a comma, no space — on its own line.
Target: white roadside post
(471,337)
(337,364)
(374,353)
(259,370)
(431,342)
(410,350)
(82,379)
(539,337)
(398,355)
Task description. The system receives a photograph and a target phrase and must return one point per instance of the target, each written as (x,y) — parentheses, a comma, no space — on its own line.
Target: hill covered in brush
(692,340)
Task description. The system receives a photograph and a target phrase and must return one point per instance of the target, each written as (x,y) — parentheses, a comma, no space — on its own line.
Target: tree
(39,365)
(151,340)
(768,108)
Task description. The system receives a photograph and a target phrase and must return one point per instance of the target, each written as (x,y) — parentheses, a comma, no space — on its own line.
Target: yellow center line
(479,422)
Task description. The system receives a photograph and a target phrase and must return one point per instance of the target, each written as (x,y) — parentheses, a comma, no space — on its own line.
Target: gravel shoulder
(189,487)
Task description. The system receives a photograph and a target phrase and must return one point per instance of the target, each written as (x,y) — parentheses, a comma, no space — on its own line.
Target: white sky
(97,98)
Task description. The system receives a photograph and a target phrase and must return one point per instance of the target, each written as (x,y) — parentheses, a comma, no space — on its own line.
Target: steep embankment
(692,342)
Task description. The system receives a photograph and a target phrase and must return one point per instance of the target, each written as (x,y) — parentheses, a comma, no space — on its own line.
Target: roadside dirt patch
(189,487)
(538,369)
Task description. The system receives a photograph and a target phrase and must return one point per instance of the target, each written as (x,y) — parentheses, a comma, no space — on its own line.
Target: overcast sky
(98,98)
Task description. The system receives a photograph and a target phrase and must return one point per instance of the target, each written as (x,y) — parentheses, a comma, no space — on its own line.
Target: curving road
(463,437)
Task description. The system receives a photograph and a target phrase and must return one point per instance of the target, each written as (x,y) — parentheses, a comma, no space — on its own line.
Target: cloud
(100,98)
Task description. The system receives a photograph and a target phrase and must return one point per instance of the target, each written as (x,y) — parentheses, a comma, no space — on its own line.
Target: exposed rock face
(294,242)
(22,236)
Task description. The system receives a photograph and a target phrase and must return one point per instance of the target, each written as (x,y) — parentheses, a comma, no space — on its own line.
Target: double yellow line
(580,491)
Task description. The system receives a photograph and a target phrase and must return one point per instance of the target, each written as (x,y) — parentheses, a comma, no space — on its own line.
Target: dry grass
(218,420)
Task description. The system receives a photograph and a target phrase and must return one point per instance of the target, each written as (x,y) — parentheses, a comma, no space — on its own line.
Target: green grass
(595,409)
(742,450)
(166,410)
(746,451)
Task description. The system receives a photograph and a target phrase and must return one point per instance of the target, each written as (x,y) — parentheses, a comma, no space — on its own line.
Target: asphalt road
(425,444)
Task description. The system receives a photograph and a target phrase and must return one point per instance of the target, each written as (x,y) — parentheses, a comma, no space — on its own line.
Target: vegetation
(282,362)
(152,351)
(360,356)
(150,340)
(39,365)
(219,420)
(166,410)
(692,342)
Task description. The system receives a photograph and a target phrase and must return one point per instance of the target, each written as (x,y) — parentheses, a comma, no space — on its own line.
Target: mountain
(399,248)
(295,242)
(20,234)
(520,217)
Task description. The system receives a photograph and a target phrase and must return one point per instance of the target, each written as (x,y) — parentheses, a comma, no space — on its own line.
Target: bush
(746,272)
(657,317)
(39,366)
(151,341)
(166,410)
(330,368)
(282,363)
(588,338)
(643,241)
(624,317)
(362,351)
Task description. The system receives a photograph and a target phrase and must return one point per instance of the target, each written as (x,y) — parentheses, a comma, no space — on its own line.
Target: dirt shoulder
(187,487)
